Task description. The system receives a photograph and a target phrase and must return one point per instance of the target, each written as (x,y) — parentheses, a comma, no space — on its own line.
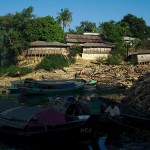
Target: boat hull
(39,91)
(51,87)
(81,132)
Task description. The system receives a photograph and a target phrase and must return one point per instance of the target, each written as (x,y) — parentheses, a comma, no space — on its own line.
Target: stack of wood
(139,94)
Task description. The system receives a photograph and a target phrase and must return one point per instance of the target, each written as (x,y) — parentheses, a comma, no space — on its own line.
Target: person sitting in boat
(113,110)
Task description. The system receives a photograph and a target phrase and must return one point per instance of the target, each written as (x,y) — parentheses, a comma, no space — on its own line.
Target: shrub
(52,62)
(114,60)
(11,70)
(74,50)
(100,60)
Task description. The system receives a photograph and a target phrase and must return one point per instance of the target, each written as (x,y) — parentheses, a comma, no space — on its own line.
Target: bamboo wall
(47,51)
(93,53)
(96,50)
(143,58)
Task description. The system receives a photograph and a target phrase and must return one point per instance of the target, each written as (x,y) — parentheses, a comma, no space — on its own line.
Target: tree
(114,30)
(64,18)
(44,29)
(13,33)
(86,26)
(19,29)
(137,26)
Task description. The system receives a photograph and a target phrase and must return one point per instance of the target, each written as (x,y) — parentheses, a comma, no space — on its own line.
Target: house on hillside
(95,50)
(43,48)
(94,44)
(76,39)
(140,57)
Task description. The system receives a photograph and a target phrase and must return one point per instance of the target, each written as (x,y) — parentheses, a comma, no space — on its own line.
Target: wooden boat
(130,119)
(45,125)
(31,87)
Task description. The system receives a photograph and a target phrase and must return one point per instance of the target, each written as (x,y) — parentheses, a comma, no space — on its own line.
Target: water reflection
(5,145)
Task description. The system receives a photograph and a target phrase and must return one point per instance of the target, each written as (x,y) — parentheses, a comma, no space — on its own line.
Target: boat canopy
(20,116)
(6,104)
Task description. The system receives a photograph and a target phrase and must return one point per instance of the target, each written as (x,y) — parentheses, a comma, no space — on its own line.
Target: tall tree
(137,26)
(13,33)
(114,30)
(45,29)
(64,18)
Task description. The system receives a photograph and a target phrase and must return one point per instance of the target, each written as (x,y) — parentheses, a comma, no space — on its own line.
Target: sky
(95,11)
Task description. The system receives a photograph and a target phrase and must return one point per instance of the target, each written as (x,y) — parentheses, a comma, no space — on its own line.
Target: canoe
(32,87)
(130,119)
(45,125)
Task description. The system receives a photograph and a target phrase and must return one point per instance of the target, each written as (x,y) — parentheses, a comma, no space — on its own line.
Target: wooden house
(95,50)
(43,48)
(140,57)
(76,39)
(94,44)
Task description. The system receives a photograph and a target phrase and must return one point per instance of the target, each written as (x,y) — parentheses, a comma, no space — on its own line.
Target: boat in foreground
(32,87)
(35,124)
(130,119)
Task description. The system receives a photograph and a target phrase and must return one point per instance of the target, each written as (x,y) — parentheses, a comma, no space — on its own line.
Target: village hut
(96,50)
(76,39)
(140,57)
(93,44)
(43,48)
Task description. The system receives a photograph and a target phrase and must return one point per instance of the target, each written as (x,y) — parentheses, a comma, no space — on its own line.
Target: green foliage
(19,29)
(100,60)
(44,29)
(74,51)
(117,55)
(86,26)
(144,45)
(25,70)
(13,33)
(12,69)
(137,26)
(52,62)
(64,17)
(132,62)
(114,30)
(114,60)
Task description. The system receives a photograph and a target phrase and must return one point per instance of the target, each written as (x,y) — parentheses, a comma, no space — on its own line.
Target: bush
(74,50)
(52,62)
(11,70)
(2,71)
(114,60)
(100,60)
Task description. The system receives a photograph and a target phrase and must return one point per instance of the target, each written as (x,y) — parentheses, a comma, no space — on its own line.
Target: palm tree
(64,17)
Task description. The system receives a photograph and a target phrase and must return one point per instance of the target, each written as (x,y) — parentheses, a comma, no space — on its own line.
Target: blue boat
(51,87)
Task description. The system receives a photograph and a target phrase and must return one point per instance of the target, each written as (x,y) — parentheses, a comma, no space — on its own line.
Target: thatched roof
(75,38)
(96,45)
(47,44)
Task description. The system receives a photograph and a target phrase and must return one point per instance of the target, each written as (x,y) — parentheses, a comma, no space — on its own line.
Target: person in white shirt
(113,110)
